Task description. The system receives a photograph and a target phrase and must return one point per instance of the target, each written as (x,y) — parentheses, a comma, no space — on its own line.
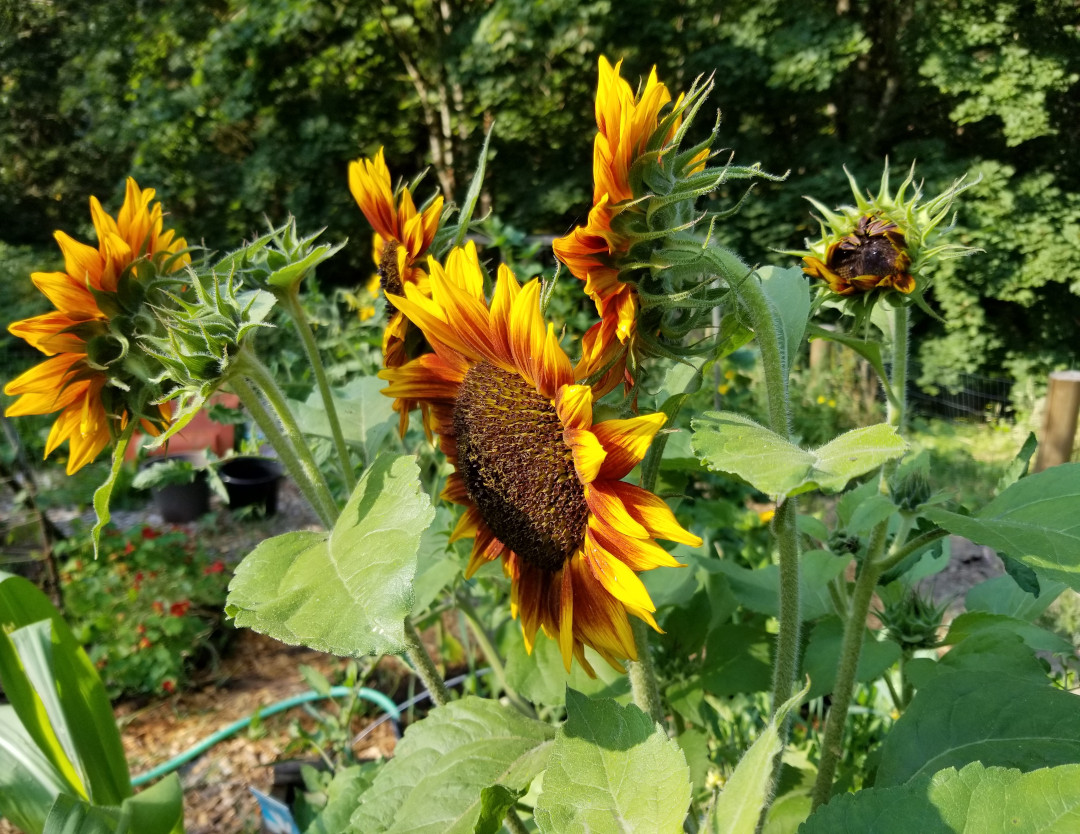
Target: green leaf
(347,592)
(740,804)
(729,442)
(759,589)
(342,796)
(823,652)
(1001,595)
(868,350)
(366,416)
(452,755)
(788,291)
(1002,652)
(494,803)
(103,494)
(58,695)
(1034,521)
(976,622)
(473,193)
(974,800)
(737,659)
(542,678)
(612,769)
(157,810)
(29,781)
(437,563)
(1018,467)
(981,716)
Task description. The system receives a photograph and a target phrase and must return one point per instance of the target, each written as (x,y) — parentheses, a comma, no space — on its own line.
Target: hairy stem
(291,299)
(285,448)
(324,503)
(643,684)
(424,666)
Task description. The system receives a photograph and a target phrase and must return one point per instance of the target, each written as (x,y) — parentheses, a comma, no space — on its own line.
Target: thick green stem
(643,685)
(286,450)
(514,823)
(291,299)
(252,368)
(424,666)
(775,363)
(874,565)
(465,606)
(854,629)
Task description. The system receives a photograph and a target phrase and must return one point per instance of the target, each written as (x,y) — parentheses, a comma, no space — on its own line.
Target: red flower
(158,607)
(144,643)
(217,567)
(149,532)
(140,628)
(129,548)
(168,686)
(179,609)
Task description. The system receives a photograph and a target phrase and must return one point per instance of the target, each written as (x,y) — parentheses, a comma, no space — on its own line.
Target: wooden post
(1059,423)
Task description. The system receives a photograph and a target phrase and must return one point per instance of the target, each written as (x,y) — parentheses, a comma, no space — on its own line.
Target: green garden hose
(371,695)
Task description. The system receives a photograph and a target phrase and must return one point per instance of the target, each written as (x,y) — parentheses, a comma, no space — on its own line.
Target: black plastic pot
(178,503)
(251,482)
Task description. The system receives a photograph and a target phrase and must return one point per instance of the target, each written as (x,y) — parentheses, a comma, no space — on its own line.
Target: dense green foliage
(235,111)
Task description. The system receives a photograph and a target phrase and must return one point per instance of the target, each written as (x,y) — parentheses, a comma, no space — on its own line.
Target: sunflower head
(540,481)
(646,187)
(884,244)
(403,235)
(95,375)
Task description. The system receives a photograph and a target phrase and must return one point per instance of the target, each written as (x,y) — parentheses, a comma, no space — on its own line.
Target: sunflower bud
(911,619)
(884,244)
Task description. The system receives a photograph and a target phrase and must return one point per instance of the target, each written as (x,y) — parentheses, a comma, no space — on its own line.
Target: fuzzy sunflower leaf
(739,805)
(347,592)
(984,716)
(1034,521)
(788,291)
(729,442)
(974,800)
(366,416)
(436,782)
(867,349)
(612,769)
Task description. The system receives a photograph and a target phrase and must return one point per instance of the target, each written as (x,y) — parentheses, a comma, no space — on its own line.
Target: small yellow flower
(765,516)
(723,389)
(832,403)
(730,375)
(821,399)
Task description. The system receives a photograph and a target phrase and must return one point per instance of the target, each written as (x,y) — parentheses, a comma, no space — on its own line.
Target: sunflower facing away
(541,482)
(625,123)
(873,256)
(402,236)
(71,381)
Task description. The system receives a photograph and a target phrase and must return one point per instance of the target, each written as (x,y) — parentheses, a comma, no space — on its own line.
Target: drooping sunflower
(873,256)
(72,381)
(402,237)
(540,481)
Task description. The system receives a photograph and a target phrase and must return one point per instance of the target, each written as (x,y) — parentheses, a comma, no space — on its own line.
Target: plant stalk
(299,470)
(291,299)
(643,684)
(424,666)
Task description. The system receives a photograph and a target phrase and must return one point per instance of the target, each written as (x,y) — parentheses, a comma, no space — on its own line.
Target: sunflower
(873,256)
(70,381)
(402,236)
(540,481)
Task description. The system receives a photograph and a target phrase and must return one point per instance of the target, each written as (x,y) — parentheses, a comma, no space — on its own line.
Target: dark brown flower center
(876,247)
(518,470)
(389,278)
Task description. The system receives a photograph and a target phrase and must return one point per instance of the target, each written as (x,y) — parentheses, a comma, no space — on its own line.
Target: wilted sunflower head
(540,481)
(883,244)
(403,235)
(93,378)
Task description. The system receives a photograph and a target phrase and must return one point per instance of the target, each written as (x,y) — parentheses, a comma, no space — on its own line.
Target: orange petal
(651,512)
(573,403)
(607,506)
(553,368)
(626,442)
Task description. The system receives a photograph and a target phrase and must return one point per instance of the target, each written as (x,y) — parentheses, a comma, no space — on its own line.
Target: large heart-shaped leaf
(981,716)
(347,592)
(974,800)
(729,442)
(435,782)
(1034,521)
(613,769)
